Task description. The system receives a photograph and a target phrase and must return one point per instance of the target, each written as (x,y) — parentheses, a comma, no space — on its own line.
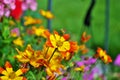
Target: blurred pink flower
(6,6)
(7,1)
(90,75)
(1,10)
(10,4)
(7,12)
(117,60)
(15,32)
(64,78)
(29,4)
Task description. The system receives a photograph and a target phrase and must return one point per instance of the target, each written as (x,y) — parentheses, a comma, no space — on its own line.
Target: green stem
(40,74)
(52,55)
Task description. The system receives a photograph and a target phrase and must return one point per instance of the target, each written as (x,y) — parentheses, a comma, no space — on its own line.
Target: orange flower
(9,74)
(103,55)
(30,56)
(83,49)
(85,37)
(53,77)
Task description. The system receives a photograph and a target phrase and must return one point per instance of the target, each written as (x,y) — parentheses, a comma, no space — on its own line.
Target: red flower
(17,12)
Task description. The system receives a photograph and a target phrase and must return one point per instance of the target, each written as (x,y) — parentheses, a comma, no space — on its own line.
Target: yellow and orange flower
(18,42)
(30,21)
(85,37)
(9,74)
(30,56)
(53,59)
(103,55)
(59,42)
(54,67)
(46,14)
(83,49)
(40,31)
(69,53)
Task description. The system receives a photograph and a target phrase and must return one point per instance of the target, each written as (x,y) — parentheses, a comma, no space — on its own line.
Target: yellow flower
(54,67)
(53,59)
(9,74)
(12,23)
(46,14)
(30,21)
(49,51)
(30,56)
(81,68)
(59,42)
(39,31)
(18,42)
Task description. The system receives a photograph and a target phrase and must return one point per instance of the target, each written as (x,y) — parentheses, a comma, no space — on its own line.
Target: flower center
(33,58)
(12,75)
(59,43)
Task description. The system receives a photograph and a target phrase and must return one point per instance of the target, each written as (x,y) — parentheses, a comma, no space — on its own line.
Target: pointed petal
(4,78)
(21,71)
(1,70)
(8,65)
(9,70)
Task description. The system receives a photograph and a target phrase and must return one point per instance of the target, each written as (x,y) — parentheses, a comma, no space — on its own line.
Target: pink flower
(1,10)
(117,60)
(29,4)
(6,6)
(7,12)
(15,32)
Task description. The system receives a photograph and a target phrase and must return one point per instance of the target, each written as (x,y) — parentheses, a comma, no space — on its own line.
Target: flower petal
(4,78)
(20,78)
(8,65)
(21,71)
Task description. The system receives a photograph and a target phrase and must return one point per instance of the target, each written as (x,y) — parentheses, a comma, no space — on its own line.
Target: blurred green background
(70,14)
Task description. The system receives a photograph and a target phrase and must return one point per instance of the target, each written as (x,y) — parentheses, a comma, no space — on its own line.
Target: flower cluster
(56,49)
(45,54)
(85,64)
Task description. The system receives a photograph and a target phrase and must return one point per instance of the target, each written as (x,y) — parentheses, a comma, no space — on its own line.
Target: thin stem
(52,55)
(49,8)
(107,25)
(46,52)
